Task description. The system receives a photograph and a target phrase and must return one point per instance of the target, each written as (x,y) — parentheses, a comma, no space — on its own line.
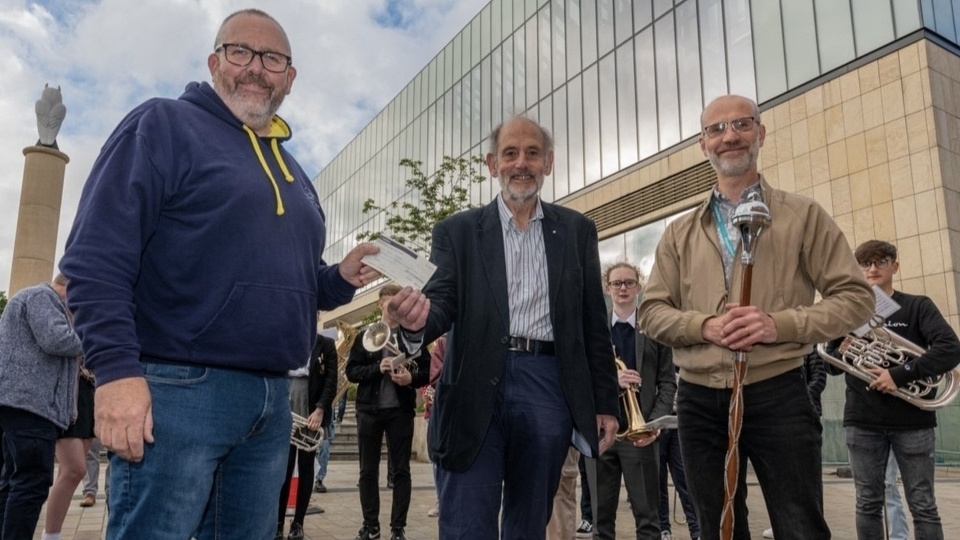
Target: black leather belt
(532,346)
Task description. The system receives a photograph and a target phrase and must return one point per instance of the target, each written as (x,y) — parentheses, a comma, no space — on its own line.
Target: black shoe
(296,531)
(397,534)
(389,484)
(318,487)
(368,533)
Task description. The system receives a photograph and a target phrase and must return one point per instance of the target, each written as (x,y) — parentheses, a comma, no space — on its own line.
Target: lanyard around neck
(722,227)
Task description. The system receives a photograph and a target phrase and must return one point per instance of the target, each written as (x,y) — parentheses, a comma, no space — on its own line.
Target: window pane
(485,46)
(834,34)
(688,63)
(591,129)
(546,119)
(712,52)
(557,12)
(660,7)
(508,67)
(496,23)
(604,26)
(475,45)
(609,139)
(873,24)
(477,105)
(573,38)
(544,51)
(642,14)
(486,94)
(561,155)
(575,130)
(456,117)
(588,11)
(800,40)
(740,48)
(496,108)
(647,94)
(532,55)
(519,71)
(623,20)
(668,105)
(611,250)
(906,16)
(627,105)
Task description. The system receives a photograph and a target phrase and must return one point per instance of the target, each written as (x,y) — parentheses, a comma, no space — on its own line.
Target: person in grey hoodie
(38,376)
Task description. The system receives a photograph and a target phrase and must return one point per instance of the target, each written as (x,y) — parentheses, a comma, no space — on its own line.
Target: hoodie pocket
(259,327)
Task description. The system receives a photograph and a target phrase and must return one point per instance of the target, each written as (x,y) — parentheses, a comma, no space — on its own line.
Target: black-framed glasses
(241,55)
(879,263)
(628,283)
(740,125)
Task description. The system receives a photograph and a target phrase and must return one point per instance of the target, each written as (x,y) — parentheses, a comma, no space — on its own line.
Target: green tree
(439,196)
(3,301)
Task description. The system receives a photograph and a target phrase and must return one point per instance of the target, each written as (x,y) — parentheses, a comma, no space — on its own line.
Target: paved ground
(342,517)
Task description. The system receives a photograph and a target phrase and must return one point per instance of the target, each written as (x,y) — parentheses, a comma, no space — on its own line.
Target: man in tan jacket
(689,304)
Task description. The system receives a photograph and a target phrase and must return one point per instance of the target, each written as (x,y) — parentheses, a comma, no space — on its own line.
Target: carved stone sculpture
(50,113)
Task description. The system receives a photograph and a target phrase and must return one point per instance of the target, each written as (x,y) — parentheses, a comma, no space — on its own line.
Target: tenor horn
(883,348)
(379,337)
(346,335)
(303,437)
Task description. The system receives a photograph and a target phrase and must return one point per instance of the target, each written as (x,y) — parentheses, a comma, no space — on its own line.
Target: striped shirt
(527,286)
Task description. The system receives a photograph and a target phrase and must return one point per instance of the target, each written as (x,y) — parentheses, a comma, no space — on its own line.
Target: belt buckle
(528,345)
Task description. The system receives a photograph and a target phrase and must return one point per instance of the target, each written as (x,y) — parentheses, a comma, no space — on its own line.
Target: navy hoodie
(197,242)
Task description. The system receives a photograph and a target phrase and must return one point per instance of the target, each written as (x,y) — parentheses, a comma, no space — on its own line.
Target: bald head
(224,30)
(724,102)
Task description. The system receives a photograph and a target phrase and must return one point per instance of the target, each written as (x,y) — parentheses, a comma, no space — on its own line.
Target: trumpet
(884,349)
(378,336)
(636,427)
(303,437)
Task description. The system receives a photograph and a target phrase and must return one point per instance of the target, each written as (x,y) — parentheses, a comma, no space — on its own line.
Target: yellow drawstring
(283,166)
(263,163)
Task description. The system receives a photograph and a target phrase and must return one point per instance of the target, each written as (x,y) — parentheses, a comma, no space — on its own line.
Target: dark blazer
(658,382)
(468,293)
(363,368)
(323,376)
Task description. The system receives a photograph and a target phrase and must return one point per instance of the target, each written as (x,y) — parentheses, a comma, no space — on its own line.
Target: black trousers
(397,424)
(29,442)
(640,470)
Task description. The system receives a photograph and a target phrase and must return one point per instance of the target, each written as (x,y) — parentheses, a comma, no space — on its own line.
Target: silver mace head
(751,217)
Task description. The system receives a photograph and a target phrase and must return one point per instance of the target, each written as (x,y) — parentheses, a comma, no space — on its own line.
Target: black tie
(625,340)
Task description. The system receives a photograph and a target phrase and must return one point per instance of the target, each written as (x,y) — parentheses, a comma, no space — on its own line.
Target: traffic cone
(294,484)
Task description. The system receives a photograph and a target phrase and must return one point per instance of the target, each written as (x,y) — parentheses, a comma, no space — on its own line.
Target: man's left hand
(607,426)
(884,382)
(744,327)
(401,376)
(313,421)
(352,268)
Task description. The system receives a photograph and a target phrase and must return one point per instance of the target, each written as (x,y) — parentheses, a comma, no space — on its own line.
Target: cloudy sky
(352,57)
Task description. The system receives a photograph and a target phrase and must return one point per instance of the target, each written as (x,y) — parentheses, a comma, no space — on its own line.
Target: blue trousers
(519,462)
(217,463)
(670,458)
(781,437)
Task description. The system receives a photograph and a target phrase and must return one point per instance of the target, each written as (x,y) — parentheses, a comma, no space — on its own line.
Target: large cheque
(400,263)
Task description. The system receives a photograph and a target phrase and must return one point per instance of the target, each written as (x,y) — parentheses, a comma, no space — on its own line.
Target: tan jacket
(802,252)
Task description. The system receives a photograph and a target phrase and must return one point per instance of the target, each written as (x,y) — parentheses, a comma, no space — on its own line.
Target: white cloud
(109,55)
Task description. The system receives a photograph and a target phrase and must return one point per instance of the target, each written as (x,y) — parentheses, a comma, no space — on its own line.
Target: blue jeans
(914,449)
(323,457)
(217,463)
(781,437)
(897,527)
(520,460)
(28,442)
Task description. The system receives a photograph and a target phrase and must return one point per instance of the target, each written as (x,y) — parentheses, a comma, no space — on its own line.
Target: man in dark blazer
(531,366)
(649,366)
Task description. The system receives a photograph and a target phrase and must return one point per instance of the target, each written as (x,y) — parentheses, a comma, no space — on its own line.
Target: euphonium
(378,336)
(636,427)
(346,335)
(883,348)
(303,437)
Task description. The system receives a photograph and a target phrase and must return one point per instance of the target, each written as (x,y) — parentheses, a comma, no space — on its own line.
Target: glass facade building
(857,96)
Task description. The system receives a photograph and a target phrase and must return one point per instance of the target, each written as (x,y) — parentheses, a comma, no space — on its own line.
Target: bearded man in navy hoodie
(196,274)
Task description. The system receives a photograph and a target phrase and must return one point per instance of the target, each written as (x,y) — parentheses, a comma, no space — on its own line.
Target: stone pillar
(39,217)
